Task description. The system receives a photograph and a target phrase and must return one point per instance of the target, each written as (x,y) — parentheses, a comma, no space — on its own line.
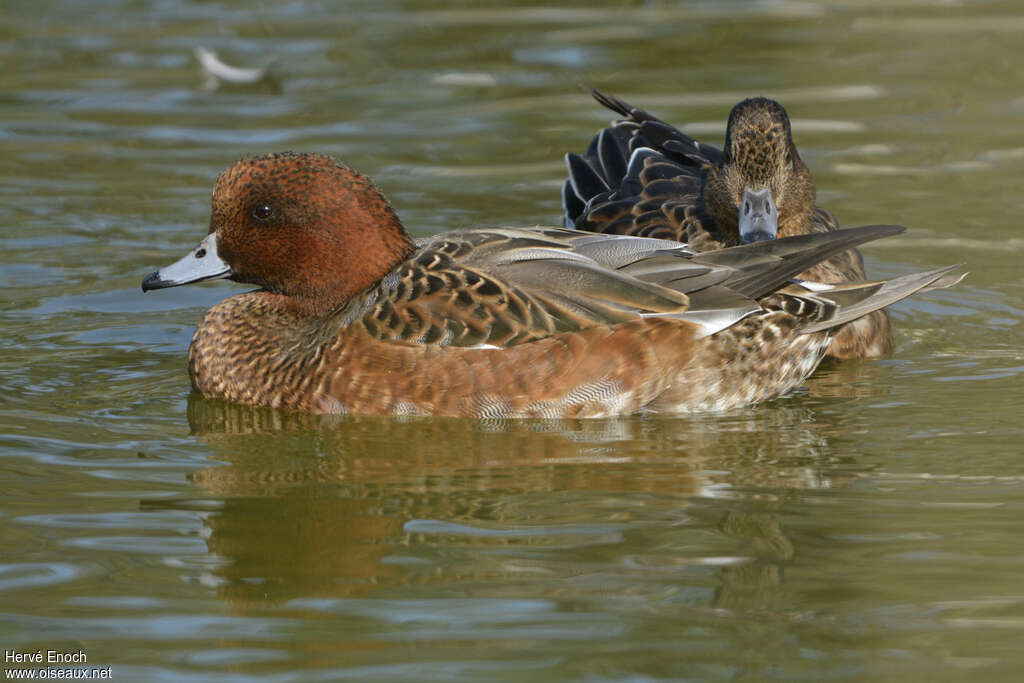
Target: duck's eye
(263,212)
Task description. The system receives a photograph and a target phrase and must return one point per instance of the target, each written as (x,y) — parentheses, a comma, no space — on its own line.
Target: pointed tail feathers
(764,266)
(856,300)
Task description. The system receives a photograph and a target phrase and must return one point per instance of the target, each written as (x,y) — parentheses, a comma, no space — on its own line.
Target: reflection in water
(849,379)
(751,585)
(341,507)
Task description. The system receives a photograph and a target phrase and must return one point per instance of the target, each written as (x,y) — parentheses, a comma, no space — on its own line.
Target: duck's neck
(324,286)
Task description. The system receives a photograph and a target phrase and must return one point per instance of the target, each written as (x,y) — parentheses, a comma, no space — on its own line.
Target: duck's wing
(506,286)
(847,266)
(640,176)
(655,133)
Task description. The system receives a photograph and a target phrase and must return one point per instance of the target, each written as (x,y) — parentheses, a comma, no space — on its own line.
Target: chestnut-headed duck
(642,176)
(353,316)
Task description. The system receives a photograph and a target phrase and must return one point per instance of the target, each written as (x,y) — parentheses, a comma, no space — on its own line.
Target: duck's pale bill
(759,219)
(202,263)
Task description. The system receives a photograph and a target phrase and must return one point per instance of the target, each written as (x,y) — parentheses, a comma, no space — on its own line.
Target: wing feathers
(506,286)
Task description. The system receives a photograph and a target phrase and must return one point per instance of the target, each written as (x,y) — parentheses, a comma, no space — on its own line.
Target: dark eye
(263,212)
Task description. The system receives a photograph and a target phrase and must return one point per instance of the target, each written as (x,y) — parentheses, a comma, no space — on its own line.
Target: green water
(866,528)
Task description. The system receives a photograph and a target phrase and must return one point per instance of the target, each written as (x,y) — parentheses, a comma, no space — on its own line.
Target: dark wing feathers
(585,181)
(614,103)
(757,273)
(572,205)
(611,154)
(648,130)
(640,176)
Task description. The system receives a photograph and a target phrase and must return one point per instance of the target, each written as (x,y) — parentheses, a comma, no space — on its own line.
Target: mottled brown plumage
(642,176)
(354,317)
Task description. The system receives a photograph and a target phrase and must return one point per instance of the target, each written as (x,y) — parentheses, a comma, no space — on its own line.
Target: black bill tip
(153,281)
(757,236)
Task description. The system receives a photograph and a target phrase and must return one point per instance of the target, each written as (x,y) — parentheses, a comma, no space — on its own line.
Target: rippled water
(866,528)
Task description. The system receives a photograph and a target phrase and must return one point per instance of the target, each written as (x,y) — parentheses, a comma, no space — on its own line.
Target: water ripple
(35,575)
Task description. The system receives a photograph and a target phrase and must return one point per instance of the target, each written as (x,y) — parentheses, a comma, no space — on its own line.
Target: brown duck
(353,316)
(642,176)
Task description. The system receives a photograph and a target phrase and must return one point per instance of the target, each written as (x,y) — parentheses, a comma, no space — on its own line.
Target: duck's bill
(759,219)
(202,263)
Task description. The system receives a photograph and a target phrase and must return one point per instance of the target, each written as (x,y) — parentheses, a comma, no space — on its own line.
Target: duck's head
(761,188)
(302,226)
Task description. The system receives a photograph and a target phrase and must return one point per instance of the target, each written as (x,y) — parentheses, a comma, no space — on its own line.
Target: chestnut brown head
(300,225)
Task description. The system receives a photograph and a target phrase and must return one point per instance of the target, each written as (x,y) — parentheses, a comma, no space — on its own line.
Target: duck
(642,176)
(350,315)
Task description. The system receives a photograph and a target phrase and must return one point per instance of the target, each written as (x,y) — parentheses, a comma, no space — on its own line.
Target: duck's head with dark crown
(760,189)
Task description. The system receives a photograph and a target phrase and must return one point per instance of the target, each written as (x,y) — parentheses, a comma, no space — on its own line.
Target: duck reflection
(314,506)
